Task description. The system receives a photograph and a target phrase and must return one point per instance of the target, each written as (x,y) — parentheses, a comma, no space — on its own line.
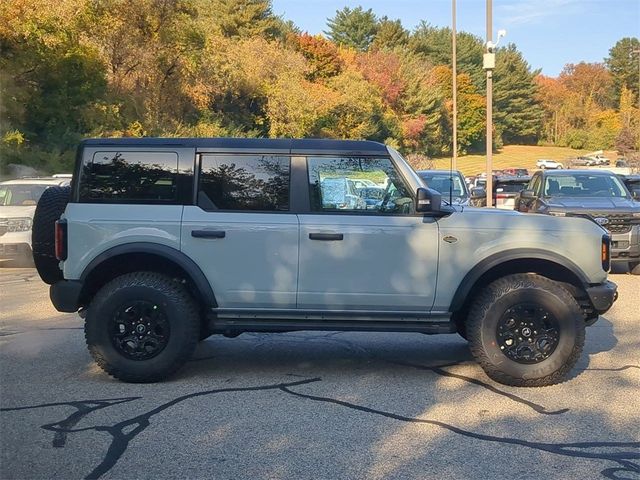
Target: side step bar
(234,322)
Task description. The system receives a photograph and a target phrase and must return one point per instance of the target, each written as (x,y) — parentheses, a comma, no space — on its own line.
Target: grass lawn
(515,156)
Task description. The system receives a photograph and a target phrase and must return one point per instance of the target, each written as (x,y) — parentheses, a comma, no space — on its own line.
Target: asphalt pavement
(311,405)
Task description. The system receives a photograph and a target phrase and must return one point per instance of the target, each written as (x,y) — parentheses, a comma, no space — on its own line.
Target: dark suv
(600,195)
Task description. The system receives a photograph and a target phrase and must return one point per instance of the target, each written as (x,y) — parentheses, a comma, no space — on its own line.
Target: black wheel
(634,268)
(526,330)
(50,206)
(142,327)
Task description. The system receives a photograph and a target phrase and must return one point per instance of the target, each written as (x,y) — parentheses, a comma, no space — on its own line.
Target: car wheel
(142,327)
(51,205)
(634,268)
(526,330)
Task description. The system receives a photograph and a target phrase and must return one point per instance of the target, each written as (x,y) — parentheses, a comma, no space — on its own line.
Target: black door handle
(208,233)
(326,236)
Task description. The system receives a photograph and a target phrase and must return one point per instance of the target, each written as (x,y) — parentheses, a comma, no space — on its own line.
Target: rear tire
(634,268)
(526,330)
(142,327)
(50,207)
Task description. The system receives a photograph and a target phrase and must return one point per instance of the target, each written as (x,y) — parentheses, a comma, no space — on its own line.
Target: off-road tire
(490,305)
(50,206)
(182,314)
(634,268)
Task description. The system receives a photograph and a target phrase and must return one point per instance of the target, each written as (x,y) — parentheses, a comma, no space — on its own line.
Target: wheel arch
(142,256)
(545,263)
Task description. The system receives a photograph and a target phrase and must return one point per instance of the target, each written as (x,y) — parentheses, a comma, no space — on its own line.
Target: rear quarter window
(130,177)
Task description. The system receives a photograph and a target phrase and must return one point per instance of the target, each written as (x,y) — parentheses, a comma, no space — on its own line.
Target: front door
(371,252)
(241,233)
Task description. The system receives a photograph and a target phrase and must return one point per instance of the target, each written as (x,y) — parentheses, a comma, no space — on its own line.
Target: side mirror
(478,192)
(528,194)
(428,200)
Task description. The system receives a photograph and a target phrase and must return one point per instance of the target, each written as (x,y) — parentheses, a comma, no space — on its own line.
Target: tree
(324,59)
(434,44)
(623,65)
(517,113)
(355,28)
(242,18)
(390,35)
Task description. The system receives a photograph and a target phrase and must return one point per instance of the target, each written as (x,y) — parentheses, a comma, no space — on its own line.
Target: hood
(591,203)
(17,211)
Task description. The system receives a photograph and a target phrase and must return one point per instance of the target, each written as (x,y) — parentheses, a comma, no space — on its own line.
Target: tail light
(605,252)
(61,239)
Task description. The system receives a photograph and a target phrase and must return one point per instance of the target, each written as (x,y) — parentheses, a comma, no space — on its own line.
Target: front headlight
(636,215)
(21,224)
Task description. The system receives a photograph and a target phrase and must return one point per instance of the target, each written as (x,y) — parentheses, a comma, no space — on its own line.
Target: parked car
(200,236)
(505,190)
(583,162)
(598,194)
(372,196)
(448,183)
(549,164)
(18,199)
(516,172)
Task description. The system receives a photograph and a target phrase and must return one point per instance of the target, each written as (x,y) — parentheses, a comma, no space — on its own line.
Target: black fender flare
(496,259)
(176,256)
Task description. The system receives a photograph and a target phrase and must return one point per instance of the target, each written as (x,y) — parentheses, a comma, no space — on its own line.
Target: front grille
(617,222)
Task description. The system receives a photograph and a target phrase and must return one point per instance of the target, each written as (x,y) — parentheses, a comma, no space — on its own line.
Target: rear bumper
(602,296)
(65,295)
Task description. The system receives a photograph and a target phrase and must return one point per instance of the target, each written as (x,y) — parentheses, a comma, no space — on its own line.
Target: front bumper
(15,251)
(602,296)
(65,295)
(625,247)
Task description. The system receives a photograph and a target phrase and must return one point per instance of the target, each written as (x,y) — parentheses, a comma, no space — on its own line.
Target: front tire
(526,330)
(634,268)
(142,327)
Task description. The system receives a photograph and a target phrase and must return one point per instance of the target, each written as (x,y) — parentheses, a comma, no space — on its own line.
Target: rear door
(241,231)
(355,257)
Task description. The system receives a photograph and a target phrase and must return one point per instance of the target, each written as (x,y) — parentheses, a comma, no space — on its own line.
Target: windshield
(584,185)
(511,187)
(443,182)
(20,195)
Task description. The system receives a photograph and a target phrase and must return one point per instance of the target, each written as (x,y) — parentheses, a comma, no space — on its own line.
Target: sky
(550,33)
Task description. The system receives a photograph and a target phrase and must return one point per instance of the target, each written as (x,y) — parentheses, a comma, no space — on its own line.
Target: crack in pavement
(122,432)
(576,450)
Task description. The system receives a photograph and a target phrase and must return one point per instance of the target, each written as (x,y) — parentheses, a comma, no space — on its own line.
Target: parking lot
(311,405)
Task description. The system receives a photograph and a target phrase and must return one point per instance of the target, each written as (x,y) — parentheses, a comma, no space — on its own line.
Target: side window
(534,184)
(365,185)
(244,182)
(130,177)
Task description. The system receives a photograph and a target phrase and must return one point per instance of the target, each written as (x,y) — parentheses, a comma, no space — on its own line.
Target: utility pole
(454,161)
(637,52)
(489,64)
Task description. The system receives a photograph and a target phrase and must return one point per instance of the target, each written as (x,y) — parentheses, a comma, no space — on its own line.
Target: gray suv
(162,242)
(598,194)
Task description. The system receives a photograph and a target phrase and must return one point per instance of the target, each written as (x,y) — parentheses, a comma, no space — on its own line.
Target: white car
(18,200)
(546,164)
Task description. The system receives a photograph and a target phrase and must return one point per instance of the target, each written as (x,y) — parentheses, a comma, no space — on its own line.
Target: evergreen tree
(623,65)
(243,18)
(353,28)
(391,34)
(517,113)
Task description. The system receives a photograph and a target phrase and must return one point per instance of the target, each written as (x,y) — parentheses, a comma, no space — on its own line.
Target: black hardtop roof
(438,171)
(280,145)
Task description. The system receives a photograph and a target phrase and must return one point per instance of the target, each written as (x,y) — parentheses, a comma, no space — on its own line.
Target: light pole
(489,63)
(454,67)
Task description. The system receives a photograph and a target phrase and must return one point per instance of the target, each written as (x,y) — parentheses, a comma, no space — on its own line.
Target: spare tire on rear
(49,209)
